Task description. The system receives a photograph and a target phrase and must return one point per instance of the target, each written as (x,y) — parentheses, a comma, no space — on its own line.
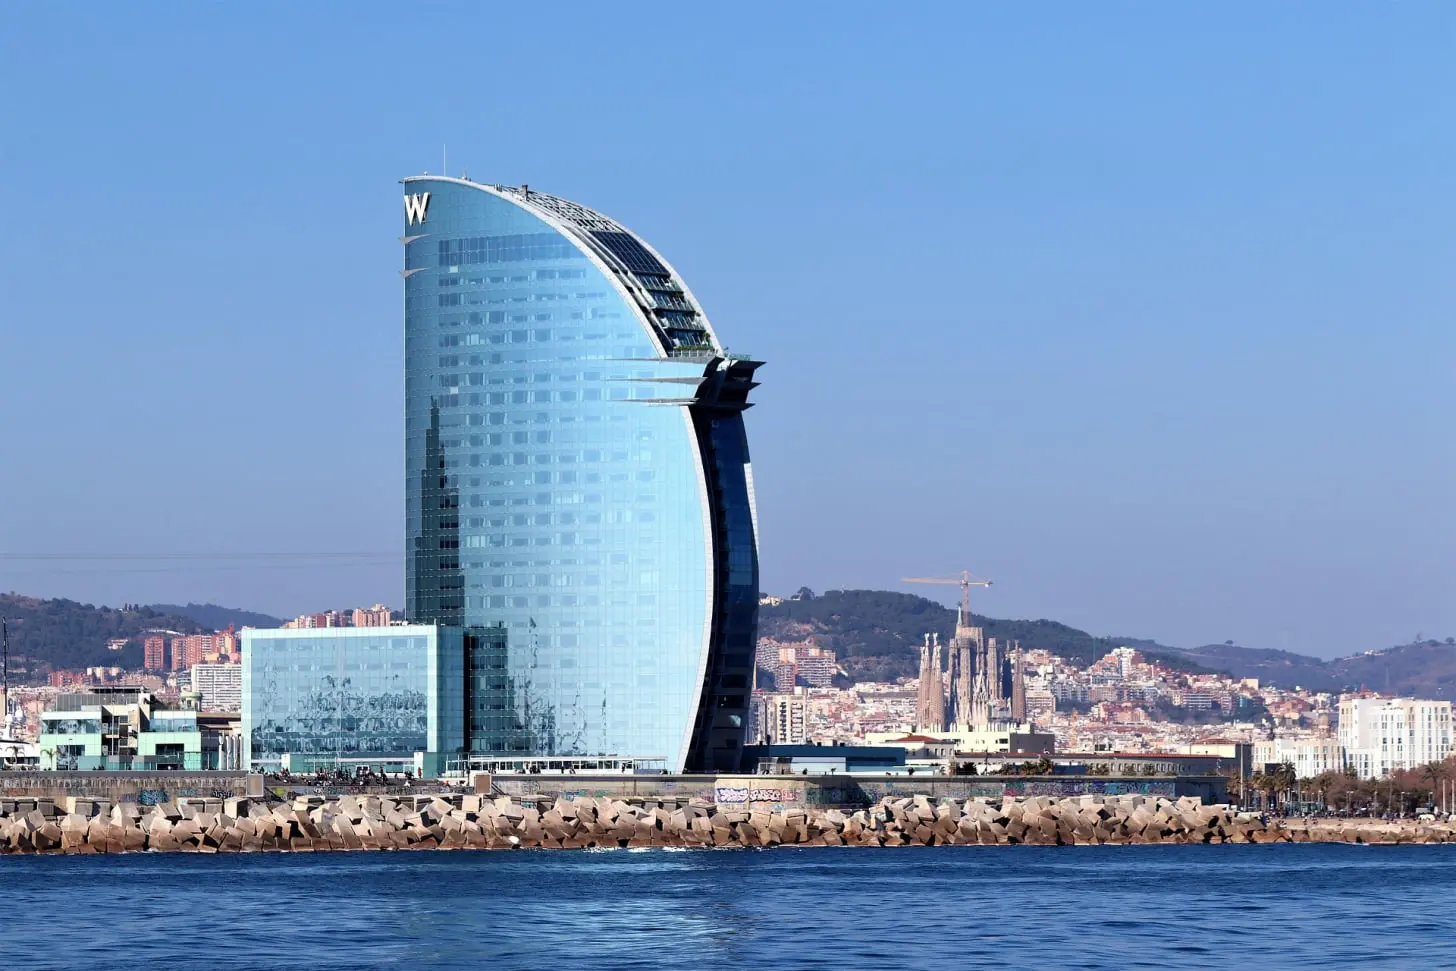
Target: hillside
(68,635)
(877,633)
(1273,667)
(213,617)
(1427,669)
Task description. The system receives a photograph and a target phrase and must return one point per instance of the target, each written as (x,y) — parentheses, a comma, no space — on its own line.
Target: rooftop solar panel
(632,253)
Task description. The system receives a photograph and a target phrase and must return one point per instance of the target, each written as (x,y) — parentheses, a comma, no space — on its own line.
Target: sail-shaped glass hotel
(578,481)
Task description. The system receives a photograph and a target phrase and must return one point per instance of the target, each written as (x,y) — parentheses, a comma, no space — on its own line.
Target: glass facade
(346,693)
(133,735)
(71,723)
(577,481)
(172,721)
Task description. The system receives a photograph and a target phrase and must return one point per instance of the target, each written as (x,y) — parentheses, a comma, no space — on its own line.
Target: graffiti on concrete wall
(759,797)
(155,797)
(121,786)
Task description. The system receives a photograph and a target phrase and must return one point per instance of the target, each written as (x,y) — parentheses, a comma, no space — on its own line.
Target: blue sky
(1143,310)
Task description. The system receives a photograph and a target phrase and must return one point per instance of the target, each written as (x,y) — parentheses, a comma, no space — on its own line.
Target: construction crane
(966,581)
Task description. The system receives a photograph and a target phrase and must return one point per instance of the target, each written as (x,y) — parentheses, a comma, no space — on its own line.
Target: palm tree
(1283,780)
(1434,773)
(1263,784)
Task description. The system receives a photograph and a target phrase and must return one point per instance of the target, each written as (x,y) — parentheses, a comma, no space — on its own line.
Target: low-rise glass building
(171,740)
(377,696)
(71,739)
(334,695)
(125,728)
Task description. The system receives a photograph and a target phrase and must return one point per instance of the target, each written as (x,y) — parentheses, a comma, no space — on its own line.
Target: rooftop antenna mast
(4,673)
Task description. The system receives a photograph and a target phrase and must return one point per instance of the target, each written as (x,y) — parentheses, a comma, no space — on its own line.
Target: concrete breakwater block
(345,823)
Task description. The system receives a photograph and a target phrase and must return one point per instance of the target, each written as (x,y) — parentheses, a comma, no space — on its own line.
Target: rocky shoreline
(315,823)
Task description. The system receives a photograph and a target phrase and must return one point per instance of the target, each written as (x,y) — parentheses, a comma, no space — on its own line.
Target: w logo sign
(414,208)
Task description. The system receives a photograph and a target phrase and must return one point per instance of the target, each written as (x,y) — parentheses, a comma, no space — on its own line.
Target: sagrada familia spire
(1018,687)
(930,701)
(966,647)
(978,692)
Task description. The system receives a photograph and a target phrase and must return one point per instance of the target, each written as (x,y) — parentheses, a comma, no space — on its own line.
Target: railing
(185,762)
(462,765)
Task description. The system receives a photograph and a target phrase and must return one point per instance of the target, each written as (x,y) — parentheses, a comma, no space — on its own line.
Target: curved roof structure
(657,290)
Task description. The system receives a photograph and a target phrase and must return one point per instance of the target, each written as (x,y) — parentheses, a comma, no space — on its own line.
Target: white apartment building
(1311,755)
(1380,735)
(782,719)
(219,685)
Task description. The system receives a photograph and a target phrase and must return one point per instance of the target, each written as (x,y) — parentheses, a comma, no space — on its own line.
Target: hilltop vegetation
(213,617)
(1272,667)
(1424,669)
(66,635)
(47,635)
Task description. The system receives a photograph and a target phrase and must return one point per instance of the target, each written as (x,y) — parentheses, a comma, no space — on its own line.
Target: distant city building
(1068,690)
(225,644)
(816,666)
(198,647)
(177,652)
(185,651)
(1000,738)
(324,620)
(1381,735)
(219,687)
(376,616)
(1195,700)
(154,652)
(792,662)
(782,719)
(1129,697)
(1041,705)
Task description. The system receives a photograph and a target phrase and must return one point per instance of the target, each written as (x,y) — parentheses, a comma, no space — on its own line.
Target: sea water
(1257,906)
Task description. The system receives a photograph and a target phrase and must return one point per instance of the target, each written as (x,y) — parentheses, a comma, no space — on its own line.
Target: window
(505,249)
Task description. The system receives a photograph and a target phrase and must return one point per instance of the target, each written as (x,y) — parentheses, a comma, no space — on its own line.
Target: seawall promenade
(316,823)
